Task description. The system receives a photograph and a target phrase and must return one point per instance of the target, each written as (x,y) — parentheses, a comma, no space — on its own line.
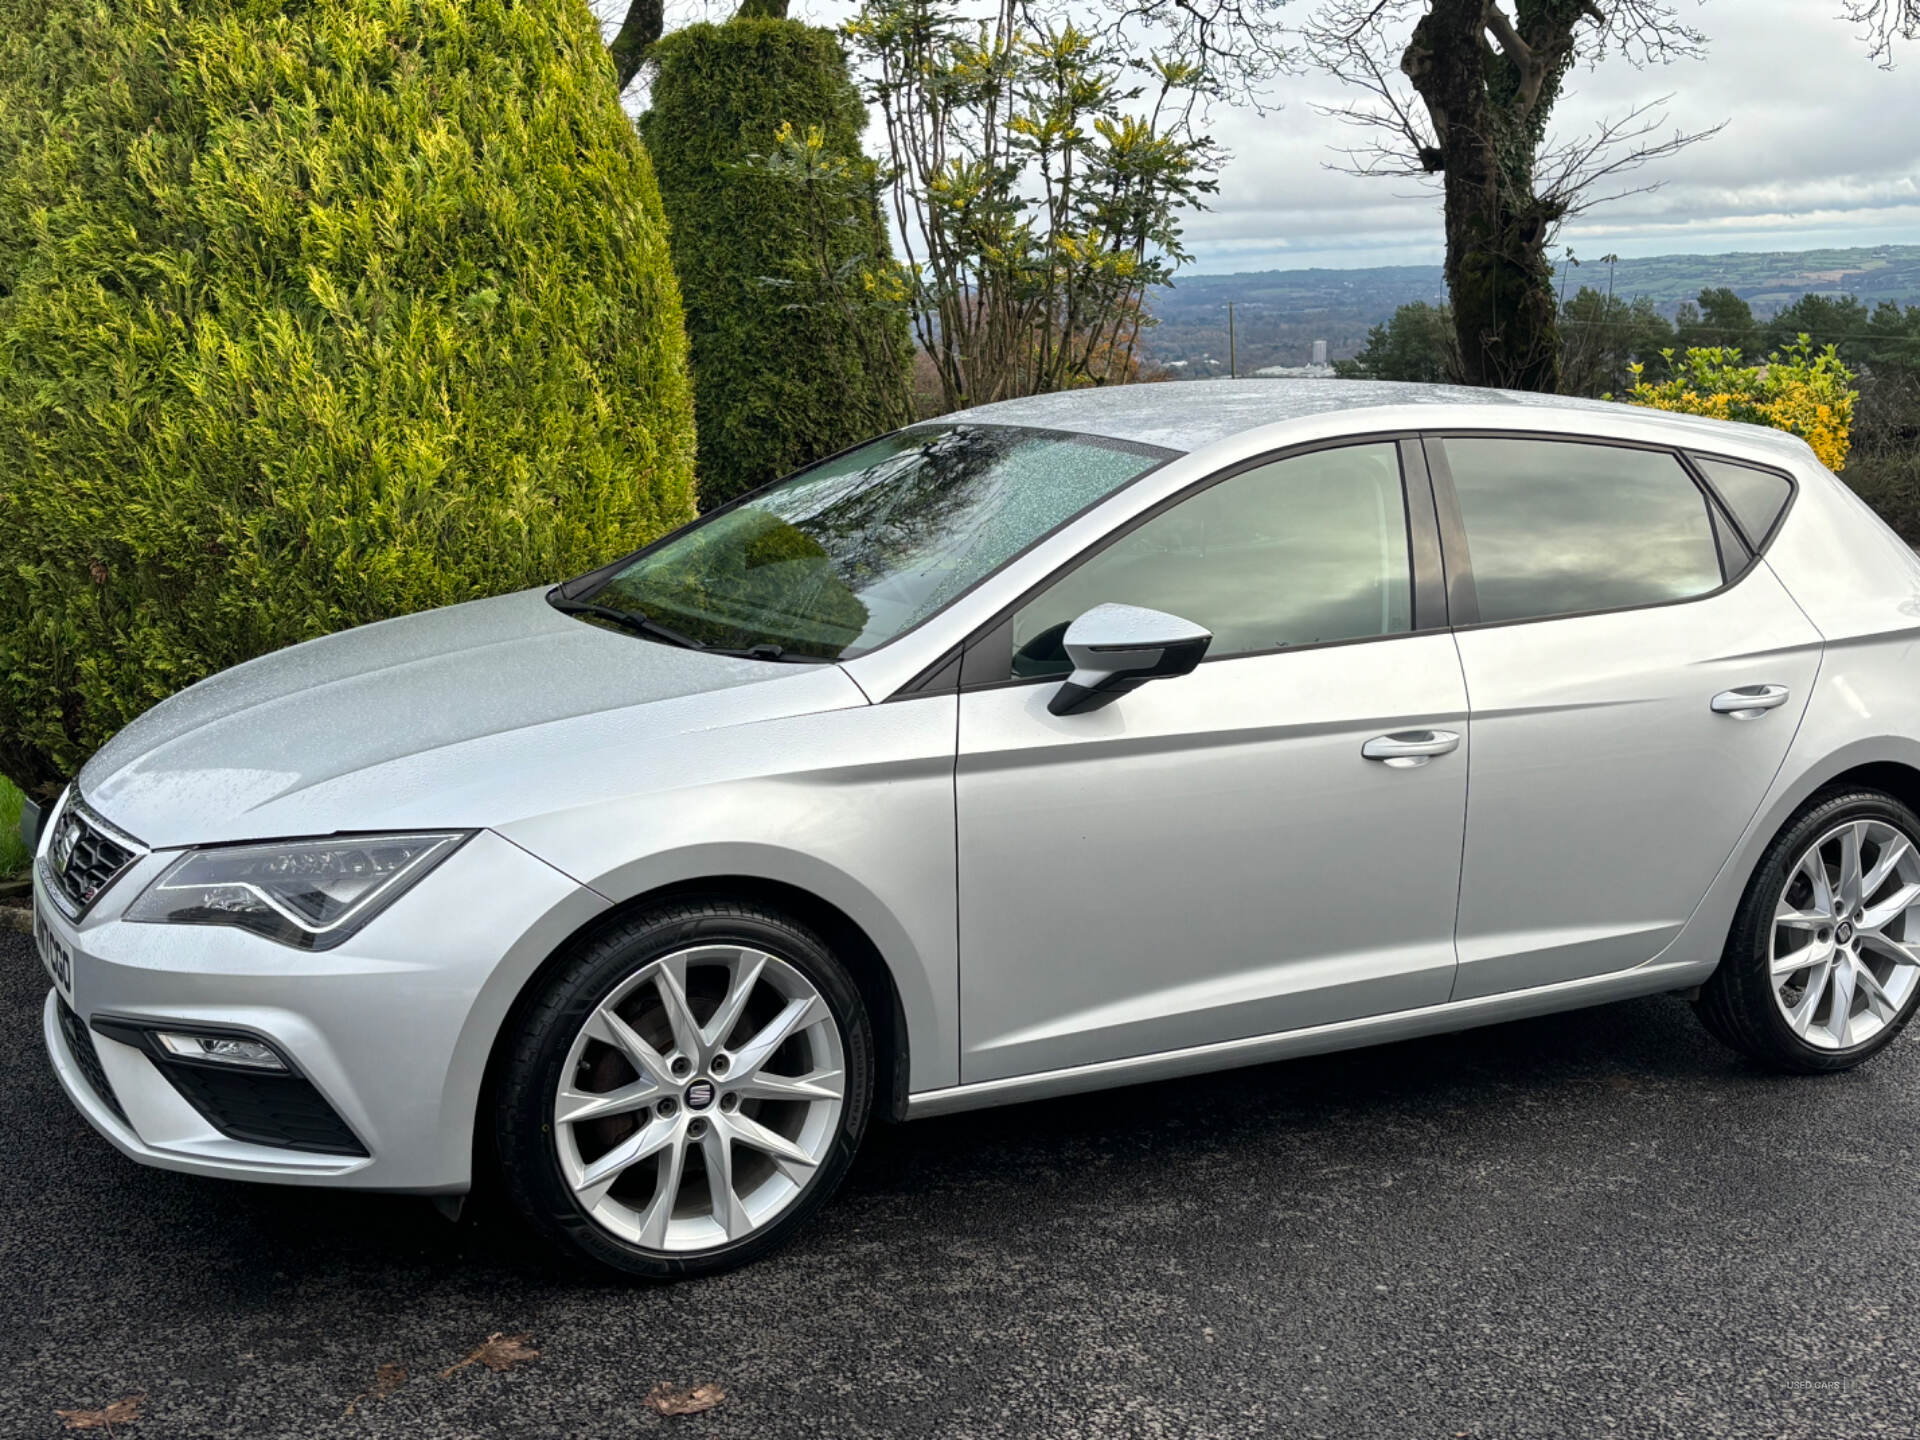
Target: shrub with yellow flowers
(1806,392)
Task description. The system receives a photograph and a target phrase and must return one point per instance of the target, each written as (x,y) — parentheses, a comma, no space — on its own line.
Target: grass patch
(13,854)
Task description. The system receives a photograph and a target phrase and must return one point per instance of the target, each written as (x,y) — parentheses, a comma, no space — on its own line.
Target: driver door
(1211,856)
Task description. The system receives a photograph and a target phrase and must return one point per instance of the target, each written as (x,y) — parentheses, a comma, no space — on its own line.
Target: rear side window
(1561,528)
(1756,497)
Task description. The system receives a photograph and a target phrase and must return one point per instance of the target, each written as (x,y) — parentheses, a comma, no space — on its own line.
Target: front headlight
(311,894)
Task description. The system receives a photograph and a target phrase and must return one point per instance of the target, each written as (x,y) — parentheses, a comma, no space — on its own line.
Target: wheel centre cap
(699,1095)
(1845,933)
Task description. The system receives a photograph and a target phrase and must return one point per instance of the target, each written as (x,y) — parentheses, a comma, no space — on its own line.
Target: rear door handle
(1749,702)
(1405,749)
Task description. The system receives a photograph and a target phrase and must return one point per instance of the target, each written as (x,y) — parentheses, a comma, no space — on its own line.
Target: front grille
(80,1046)
(263,1109)
(83,859)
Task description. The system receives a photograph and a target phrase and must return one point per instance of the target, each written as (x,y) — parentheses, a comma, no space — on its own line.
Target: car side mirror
(1117,648)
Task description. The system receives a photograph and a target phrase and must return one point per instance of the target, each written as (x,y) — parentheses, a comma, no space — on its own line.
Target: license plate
(55,956)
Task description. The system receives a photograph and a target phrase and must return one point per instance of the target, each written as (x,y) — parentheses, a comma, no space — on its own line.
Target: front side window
(1302,551)
(842,558)
(1562,528)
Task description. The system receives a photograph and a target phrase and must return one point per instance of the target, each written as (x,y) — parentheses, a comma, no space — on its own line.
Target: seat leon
(1069,742)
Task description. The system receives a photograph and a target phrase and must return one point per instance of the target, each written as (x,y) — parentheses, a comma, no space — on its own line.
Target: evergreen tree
(310,314)
(783,375)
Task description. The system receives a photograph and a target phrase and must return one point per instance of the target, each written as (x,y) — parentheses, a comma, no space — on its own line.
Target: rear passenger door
(1611,617)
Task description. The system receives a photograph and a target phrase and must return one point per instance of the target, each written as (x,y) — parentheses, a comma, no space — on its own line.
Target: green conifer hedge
(311,313)
(780,377)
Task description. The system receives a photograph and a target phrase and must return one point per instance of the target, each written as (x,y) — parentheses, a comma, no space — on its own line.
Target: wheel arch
(1894,777)
(845,936)
(1890,763)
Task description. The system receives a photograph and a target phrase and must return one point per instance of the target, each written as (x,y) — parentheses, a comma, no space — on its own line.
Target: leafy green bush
(309,315)
(13,851)
(782,373)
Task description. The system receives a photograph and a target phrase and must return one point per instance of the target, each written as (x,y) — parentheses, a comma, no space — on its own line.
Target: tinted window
(1734,554)
(1556,528)
(843,557)
(1756,497)
(1298,552)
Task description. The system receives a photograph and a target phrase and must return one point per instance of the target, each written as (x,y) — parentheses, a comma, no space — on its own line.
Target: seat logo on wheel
(699,1095)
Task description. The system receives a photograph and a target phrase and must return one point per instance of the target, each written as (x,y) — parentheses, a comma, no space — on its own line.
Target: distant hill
(1278,314)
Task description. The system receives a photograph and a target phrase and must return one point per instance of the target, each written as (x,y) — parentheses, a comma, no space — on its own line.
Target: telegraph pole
(1233,367)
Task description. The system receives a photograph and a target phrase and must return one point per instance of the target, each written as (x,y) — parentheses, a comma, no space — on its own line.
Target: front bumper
(392,1030)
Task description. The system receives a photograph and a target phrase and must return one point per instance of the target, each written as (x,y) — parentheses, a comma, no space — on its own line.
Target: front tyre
(685,1091)
(1822,965)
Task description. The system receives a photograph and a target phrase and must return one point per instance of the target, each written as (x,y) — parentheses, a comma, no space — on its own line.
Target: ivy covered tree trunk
(1489,104)
(645,22)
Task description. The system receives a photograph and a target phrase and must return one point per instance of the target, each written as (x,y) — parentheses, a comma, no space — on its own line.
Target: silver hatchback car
(1064,743)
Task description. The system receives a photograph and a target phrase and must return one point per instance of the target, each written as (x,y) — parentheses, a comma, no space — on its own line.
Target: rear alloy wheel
(1841,964)
(1823,965)
(688,1091)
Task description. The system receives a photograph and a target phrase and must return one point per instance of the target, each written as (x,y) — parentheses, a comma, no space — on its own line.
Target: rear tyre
(1822,965)
(685,1091)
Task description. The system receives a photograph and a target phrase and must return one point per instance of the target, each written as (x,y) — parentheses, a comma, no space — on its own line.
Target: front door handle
(1405,749)
(1749,702)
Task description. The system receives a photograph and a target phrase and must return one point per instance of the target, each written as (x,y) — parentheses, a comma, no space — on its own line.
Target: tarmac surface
(1594,1224)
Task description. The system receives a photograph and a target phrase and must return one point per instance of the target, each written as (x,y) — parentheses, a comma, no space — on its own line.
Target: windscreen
(842,558)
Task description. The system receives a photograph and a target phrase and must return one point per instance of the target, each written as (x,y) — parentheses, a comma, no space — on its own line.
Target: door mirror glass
(1117,648)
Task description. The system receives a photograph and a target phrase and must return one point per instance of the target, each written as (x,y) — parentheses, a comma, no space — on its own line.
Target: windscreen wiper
(626,619)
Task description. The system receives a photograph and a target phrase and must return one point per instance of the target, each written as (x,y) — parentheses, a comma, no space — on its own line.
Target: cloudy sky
(1820,148)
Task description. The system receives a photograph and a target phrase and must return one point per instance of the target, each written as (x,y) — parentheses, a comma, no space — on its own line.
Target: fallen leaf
(674,1400)
(386,1379)
(498,1352)
(120,1412)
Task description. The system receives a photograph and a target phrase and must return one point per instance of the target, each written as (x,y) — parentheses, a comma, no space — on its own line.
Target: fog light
(221,1050)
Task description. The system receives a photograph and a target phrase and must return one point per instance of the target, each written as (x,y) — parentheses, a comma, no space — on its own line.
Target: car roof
(1189,415)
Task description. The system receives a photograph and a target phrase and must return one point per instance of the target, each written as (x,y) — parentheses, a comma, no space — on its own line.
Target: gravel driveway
(1580,1226)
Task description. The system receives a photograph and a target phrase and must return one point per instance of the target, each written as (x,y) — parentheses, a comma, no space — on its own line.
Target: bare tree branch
(1882,23)
(1569,176)
(1240,44)
(1642,32)
(1349,40)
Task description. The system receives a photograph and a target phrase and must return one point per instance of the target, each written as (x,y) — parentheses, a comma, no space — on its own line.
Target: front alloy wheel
(702,1077)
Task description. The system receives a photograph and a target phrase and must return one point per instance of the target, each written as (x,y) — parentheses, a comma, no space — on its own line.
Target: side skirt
(1646,979)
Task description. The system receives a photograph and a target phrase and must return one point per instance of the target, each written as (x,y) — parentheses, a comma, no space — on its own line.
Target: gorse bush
(310,314)
(793,357)
(1808,394)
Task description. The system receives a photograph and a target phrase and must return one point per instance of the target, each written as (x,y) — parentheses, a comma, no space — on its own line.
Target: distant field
(1278,314)
(13,855)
